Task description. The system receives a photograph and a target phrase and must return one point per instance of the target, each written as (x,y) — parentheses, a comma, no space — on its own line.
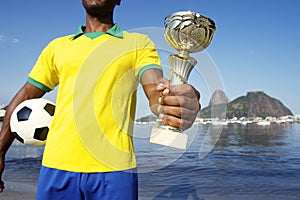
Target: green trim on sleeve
(38,84)
(145,68)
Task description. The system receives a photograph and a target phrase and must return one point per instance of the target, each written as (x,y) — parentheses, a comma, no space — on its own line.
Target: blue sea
(236,162)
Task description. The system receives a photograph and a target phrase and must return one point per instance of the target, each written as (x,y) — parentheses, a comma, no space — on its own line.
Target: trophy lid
(188,31)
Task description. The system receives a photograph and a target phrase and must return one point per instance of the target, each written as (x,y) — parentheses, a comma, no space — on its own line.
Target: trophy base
(168,136)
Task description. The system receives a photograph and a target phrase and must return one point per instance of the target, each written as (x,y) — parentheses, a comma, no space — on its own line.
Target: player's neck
(97,24)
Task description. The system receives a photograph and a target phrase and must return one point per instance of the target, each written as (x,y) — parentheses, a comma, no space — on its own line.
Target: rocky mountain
(218,97)
(254,104)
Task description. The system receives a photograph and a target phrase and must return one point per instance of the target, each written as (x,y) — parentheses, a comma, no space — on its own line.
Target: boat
(264,123)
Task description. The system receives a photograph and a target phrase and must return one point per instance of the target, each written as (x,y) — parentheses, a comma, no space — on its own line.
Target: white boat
(264,123)
(219,123)
(246,122)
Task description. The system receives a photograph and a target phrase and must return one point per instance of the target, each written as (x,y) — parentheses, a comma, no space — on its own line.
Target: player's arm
(176,105)
(150,80)
(28,91)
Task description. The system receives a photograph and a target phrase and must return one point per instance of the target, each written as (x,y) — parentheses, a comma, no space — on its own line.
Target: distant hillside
(254,104)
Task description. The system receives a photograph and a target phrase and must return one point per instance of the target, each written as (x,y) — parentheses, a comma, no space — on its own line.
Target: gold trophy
(187,32)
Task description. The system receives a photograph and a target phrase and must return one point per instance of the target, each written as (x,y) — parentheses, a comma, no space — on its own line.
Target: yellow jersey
(98,75)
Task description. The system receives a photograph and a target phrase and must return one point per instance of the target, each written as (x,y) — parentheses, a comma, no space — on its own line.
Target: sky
(256,46)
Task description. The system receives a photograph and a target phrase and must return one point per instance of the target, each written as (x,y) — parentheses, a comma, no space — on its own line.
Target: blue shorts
(59,185)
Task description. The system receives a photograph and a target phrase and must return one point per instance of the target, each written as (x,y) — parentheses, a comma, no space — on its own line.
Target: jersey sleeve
(44,74)
(147,56)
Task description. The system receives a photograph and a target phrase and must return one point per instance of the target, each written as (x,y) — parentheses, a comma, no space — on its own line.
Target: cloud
(2,37)
(15,40)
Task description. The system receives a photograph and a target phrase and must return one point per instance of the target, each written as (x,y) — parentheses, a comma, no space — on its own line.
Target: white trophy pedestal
(168,137)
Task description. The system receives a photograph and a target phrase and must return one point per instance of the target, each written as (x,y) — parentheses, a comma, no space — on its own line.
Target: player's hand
(178,104)
(1,172)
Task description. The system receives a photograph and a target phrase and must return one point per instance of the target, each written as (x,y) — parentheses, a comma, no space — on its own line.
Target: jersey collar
(115,31)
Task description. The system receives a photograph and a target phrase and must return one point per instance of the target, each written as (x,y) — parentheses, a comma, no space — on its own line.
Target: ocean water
(247,162)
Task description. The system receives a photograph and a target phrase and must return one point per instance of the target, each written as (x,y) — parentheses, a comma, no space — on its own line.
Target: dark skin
(175,105)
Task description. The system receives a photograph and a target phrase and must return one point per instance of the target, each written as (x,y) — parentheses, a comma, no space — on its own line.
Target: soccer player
(89,151)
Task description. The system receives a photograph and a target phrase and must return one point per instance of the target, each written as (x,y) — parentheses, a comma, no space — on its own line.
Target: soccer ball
(30,121)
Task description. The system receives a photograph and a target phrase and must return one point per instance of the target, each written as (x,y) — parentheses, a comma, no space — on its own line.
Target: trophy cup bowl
(187,32)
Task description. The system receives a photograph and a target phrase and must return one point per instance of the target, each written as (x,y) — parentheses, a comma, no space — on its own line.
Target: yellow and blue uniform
(98,74)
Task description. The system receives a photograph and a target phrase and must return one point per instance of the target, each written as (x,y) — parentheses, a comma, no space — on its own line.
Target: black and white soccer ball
(31,120)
